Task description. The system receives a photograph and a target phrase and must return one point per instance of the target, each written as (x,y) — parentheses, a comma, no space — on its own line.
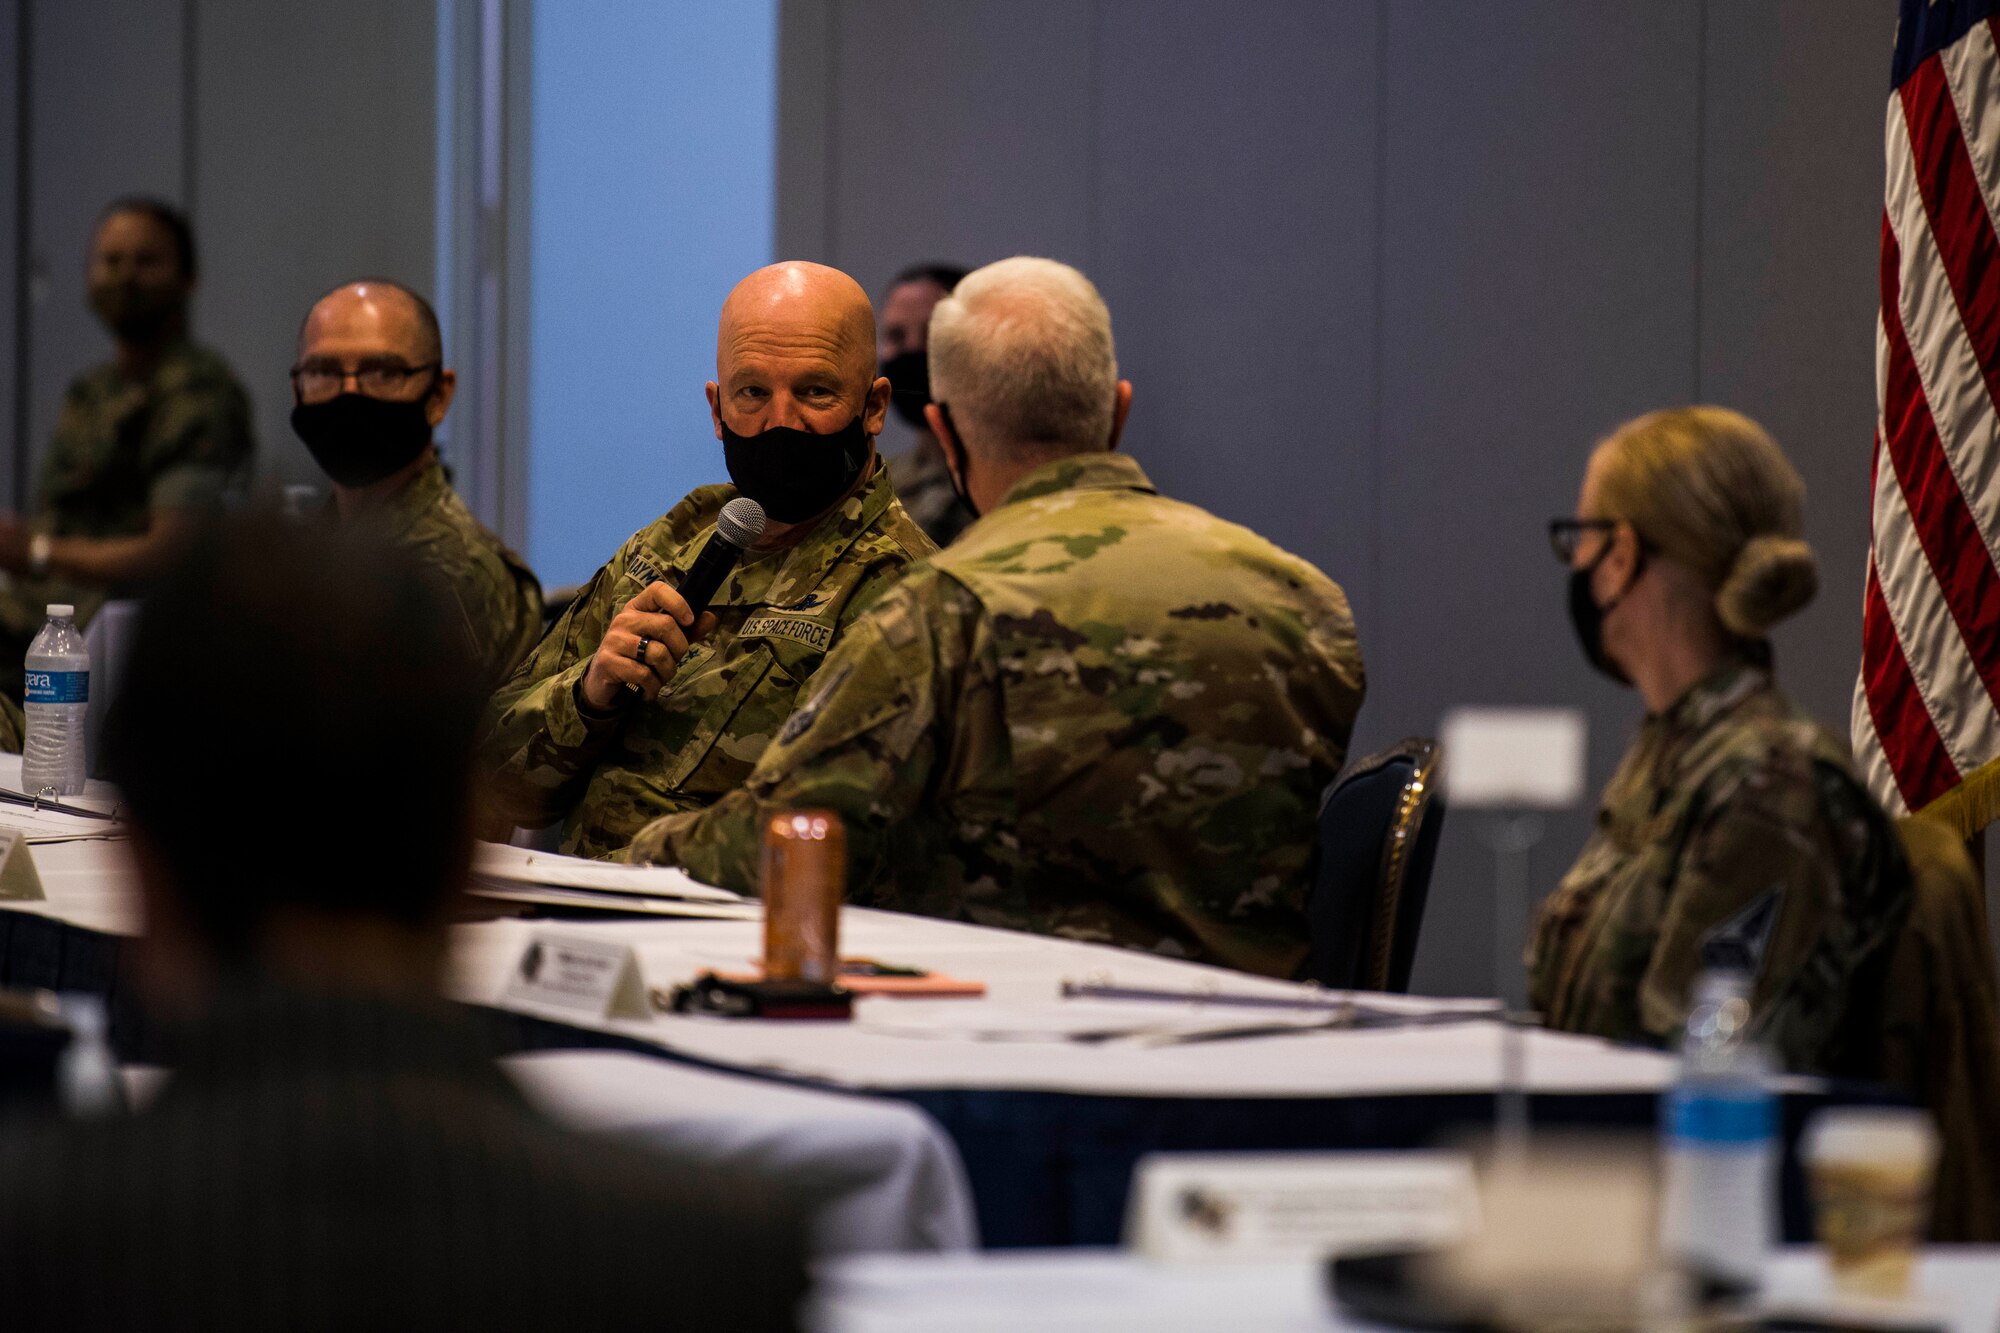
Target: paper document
(517,865)
(548,895)
(51,826)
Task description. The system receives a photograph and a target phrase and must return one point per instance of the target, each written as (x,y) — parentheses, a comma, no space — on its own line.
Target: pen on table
(1332,1003)
(1090,990)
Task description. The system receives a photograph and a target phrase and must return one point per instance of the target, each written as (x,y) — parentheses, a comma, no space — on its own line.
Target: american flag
(1927,706)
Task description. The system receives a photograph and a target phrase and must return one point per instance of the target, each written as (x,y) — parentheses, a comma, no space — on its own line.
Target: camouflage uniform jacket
(498,597)
(778,613)
(1100,713)
(1733,813)
(924,486)
(122,450)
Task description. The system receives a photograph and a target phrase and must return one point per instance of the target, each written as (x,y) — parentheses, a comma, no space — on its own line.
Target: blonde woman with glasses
(1735,831)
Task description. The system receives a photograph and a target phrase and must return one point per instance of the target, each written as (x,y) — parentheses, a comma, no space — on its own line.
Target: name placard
(1514,758)
(18,880)
(580,974)
(1278,1207)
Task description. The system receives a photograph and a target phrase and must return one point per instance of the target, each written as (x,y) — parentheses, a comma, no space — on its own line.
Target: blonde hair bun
(1771,578)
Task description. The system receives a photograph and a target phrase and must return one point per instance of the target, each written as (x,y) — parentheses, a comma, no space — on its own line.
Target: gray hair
(1023,348)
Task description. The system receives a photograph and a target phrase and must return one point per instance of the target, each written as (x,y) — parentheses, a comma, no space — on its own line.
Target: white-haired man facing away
(1100,713)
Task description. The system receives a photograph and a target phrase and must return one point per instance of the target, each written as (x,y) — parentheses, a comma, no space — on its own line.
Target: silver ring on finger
(639,654)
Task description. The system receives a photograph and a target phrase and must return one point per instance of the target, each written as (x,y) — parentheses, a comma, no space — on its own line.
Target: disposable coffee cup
(1871,1170)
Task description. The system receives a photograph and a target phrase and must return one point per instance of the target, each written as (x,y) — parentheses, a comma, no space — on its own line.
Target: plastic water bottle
(87,1073)
(1719,1124)
(52,760)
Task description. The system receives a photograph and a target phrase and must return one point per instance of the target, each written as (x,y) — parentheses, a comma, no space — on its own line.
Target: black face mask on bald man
(793,473)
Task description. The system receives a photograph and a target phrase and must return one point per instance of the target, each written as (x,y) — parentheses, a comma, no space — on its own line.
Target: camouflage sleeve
(537,751)
(1753,866)
(1341,683)
(864,743)
(499,612)
(198,446)
(13,726)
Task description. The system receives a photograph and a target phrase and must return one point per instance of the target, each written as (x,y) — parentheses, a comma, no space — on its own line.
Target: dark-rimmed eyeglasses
(1566,534)
(378,377)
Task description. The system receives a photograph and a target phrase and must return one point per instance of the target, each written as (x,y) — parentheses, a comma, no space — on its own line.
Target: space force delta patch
(799,629)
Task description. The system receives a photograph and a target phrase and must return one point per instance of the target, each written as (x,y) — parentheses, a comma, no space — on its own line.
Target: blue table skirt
(1046,1168)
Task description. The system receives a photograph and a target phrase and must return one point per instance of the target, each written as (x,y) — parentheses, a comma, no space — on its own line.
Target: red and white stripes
(1926,717)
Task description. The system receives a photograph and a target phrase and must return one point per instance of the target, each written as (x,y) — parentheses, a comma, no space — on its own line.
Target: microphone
(739,525)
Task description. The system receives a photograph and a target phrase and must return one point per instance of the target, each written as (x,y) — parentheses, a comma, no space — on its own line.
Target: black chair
(1378,835)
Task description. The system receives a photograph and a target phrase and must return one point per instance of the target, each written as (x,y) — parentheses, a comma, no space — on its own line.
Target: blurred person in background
(336,1149)
(923,483)
(1100,713)
(630,709)
(145,442)
(1735,819)
(369,389)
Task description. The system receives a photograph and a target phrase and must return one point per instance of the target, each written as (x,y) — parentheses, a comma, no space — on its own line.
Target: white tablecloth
(904,1044)
(890,1178)
(1060,1290)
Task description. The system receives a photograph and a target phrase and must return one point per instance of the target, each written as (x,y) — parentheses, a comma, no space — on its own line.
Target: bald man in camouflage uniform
(1099,713)
(630,708)
(1733,818)
(379,341)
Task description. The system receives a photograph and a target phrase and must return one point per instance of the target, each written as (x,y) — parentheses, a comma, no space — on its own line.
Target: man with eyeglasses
(369,389)
(145,440)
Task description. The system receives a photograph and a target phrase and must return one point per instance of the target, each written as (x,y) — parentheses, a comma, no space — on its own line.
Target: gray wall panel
(957,132)
(105,120)
(316,162)
(1791,229)
(11,289)
(1235,237)
(1538,243)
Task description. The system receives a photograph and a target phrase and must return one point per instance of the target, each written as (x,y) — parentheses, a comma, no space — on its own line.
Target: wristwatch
(40,546)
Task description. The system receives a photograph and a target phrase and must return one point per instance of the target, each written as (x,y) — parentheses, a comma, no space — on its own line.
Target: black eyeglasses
(1566,534)
(379,377)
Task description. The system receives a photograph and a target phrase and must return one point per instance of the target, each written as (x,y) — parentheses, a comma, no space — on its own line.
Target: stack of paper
(73,819)
(515,874)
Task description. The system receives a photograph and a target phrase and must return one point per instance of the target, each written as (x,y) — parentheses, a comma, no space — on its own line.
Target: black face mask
(793,473)
(909,376)
(135,311)
(1588,617)
(958,486)
(358,440)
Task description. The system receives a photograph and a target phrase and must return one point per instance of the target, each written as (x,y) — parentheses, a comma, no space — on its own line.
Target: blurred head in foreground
(292,744)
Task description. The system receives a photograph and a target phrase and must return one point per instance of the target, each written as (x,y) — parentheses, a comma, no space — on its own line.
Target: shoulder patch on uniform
(644,568)
(1740,941)
(808,712)
(894,621)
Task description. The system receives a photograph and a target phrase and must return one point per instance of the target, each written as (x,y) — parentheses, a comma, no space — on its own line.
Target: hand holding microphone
(646,640)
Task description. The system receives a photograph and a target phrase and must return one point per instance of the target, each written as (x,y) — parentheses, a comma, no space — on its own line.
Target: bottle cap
(62,609)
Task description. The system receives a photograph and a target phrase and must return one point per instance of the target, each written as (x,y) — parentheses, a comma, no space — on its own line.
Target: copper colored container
(805,876)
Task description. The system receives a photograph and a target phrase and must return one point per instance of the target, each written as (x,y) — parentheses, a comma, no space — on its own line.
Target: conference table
(1048,1100)
(1956,1289)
